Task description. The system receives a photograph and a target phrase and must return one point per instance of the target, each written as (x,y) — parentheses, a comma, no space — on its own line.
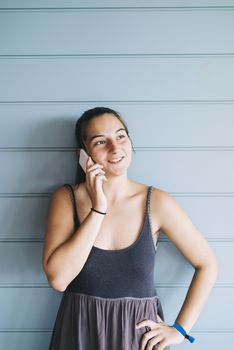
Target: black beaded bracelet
(98,211)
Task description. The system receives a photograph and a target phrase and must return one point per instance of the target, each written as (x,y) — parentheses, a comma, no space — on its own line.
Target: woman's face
(107,142)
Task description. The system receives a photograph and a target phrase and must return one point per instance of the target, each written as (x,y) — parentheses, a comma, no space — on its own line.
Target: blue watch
(183,332)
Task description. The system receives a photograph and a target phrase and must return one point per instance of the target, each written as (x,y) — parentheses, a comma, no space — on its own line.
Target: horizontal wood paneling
(63,32)
(23,217)
(145,78)
(28,307)
(31,340)
(174,4)
(165,124)
(167,65)
(192,171)
(31,175)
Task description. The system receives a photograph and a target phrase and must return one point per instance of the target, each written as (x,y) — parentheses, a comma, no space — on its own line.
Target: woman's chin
(118,172)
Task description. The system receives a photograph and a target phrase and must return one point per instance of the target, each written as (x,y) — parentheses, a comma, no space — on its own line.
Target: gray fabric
(86,322)
(123,272)
(113,291)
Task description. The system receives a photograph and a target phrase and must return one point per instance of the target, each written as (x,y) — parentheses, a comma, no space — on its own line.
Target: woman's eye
(121,136)
(97,142)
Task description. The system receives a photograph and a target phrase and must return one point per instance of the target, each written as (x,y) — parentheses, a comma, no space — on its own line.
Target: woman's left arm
(178,227)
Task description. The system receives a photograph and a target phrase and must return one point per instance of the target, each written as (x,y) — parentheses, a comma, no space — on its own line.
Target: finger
(159,318)
(96,171)
(147,339)
(100,177)
(153,341)
(162,345)
(98,181)
(91,173)
(95,177)
(149,323)
(94,166)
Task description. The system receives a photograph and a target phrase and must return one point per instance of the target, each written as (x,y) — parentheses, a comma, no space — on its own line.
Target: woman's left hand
(161,333)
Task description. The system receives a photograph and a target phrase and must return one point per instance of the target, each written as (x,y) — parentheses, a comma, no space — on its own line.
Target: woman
(100,250)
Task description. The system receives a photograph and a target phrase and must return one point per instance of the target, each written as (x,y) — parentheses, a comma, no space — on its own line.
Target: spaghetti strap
(149,216)
(72,196)
(148,199)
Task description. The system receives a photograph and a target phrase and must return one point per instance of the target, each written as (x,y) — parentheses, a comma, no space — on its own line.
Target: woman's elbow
(53,282)
(57,286)
(211,265)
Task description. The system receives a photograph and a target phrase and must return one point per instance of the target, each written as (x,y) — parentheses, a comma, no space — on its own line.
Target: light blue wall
(168,68)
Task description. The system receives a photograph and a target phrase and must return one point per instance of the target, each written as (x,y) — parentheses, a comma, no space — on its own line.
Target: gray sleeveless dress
(112,293)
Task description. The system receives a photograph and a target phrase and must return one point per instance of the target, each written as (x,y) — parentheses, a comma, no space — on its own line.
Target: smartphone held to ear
(83,159)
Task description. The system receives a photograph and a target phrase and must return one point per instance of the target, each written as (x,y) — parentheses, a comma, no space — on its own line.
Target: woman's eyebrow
(95,136)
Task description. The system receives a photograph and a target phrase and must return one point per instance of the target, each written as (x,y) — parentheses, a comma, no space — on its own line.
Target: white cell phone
(83,159)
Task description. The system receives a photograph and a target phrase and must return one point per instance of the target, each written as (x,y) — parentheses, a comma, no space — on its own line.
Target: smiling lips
(116,160)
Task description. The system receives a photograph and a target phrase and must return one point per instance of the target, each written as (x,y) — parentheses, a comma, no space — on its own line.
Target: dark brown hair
(81,136)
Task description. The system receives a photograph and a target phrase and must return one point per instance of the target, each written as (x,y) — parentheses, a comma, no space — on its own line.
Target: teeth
(116,161)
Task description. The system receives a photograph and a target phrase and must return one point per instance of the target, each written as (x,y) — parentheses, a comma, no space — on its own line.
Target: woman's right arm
(65,252)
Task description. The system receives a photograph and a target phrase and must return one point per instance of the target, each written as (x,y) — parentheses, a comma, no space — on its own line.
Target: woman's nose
(113,145)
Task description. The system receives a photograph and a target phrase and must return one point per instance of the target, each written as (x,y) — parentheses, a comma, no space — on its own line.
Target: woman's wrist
(98,211)
(180,329)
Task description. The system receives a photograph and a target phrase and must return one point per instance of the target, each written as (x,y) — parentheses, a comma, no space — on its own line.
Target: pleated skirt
(86,322)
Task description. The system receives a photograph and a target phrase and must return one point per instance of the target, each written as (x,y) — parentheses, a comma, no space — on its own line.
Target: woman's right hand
(94,179)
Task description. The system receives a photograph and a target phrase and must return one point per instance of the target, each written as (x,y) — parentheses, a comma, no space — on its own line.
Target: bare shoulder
(61,197)
(159,200)
(160,196)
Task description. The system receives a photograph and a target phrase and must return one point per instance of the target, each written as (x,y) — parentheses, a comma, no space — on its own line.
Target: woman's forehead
(104,124)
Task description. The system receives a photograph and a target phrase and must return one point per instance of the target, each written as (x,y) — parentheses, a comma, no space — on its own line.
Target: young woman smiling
(100,247)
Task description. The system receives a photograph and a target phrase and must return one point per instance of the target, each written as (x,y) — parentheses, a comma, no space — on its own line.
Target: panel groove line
(120,8)
(93,4)
(122,102)
(198,78)
(135,55)
(127,55)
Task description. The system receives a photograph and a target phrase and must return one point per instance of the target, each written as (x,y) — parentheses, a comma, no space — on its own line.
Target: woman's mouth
(116,160)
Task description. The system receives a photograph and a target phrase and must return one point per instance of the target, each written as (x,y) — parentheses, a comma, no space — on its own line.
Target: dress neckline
(141,230)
